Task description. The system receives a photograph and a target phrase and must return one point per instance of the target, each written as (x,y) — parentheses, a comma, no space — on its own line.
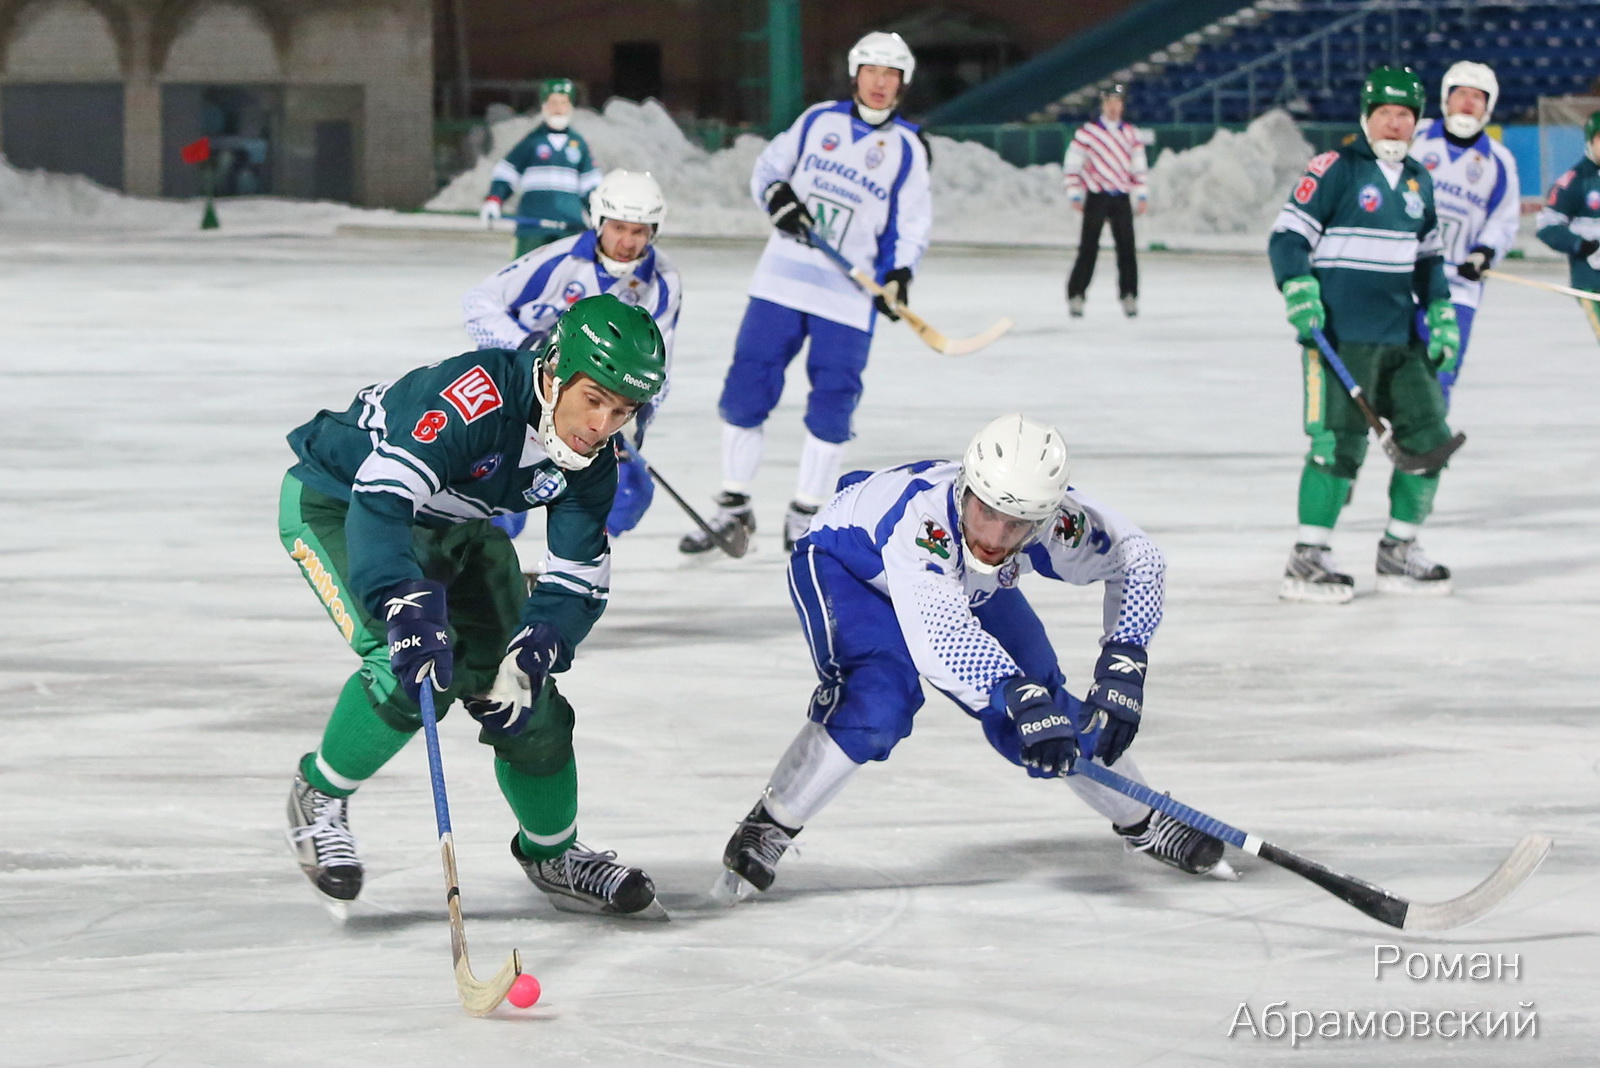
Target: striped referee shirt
(1105,157)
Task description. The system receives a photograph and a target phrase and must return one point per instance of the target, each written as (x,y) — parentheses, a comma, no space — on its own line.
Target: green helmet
(1393,85)
(550,86)
(1591,127)
(616,344)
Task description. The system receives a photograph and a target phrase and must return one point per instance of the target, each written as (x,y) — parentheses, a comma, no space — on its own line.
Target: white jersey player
(910,574)
(857,174)
(518,305)
(1475,192)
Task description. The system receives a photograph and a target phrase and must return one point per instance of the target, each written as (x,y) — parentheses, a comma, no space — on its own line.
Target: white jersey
(515,307)
(896,530)
(1477,198)
(866,186)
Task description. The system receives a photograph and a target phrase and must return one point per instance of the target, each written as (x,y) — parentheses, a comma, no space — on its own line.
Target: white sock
(1400,530)
(1120,809)
(819,470)
(741,456)
(1322,536)
(811,773)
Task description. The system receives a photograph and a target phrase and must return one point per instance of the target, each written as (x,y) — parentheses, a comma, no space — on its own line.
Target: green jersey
(1571,216)
(457,442)
(1370,239)
(555,174)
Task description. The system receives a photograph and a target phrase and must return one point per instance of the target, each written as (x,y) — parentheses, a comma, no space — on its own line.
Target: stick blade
(1488,895)
(1423,463)
(965,346)
(480,997)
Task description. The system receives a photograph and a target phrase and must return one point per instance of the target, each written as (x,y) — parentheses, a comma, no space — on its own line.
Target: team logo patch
(875,155)
(1474,168)
(547,486)
(474,394)
(573,293)
(428,427)
(1413,201)
(830,142)
(543,152)
(1319,164)
(573,153)
(1070,528)
(935,539)
(1007,575)
(1591,200)
(1370,198)
(486,466)
(1431,161)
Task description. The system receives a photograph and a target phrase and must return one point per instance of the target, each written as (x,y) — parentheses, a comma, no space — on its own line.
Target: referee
(1105,168)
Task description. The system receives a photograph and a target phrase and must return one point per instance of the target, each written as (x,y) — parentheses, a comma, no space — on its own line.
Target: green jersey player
(1570,219)
(388,514)
(1355,251)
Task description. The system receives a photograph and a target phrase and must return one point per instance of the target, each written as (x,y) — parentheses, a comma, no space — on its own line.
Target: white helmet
(1467,75)
(1018,467)
(883,50)
(628,196)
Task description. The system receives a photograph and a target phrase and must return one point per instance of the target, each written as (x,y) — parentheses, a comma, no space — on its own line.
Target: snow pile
(31,199)
(1233,184)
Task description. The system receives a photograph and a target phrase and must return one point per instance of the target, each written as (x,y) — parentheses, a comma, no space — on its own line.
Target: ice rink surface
(164,665)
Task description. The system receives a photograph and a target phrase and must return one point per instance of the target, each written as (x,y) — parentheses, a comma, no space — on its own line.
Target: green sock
(355,744)
(1411,496)
(1322,496)
(546,807)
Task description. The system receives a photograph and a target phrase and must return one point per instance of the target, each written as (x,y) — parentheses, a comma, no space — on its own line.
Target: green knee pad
(545,745)
(1323,495)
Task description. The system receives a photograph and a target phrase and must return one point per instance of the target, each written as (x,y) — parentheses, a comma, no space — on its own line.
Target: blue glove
(635,490)
(1049,739)
(512,524)
(506,709)
(1116,699)
(419,643)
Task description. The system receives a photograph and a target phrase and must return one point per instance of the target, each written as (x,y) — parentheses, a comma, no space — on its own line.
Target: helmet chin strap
(556,122)
(1464,126)
(873,116)
(618,269)
(565,456)
(982,567)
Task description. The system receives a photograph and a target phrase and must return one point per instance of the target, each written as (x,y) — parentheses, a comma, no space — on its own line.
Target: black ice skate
(752,854)
(320,839)
(1130,306)
(581,880)
(1177,845)
(733,521)
(1312,576)
(1075,307)
(1404,568)
(796,521)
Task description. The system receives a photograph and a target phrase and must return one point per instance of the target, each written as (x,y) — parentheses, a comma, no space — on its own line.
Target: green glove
(1304,298)
(1444,336)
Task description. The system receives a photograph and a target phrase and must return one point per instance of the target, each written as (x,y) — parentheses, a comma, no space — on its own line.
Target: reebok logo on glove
(1035,726)
(1125,664)
(1031,691)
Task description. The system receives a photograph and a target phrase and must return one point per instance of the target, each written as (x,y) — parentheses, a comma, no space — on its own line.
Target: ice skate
(733,521)
(1404,568)
(1130,306)
(1075,307)
(1312,576)
(582,880)
(752,855)
(796,521)
(1176,845)
(320,839)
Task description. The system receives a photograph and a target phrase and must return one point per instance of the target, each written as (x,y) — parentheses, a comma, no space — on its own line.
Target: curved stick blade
(1488,895)
(964,346)
(480,996)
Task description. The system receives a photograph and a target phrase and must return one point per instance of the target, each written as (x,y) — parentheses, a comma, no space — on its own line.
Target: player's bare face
(992,535)
(1391,122)
(624,241)
(557,104)
(877,87)
(1111,107)
(1465,101)
(587,414)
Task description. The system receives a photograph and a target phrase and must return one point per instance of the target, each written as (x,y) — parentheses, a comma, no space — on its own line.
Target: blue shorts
(769,338)
(870,689)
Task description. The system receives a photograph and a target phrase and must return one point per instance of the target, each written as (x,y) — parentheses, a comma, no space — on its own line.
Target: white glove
(489,213)
(1594,260)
